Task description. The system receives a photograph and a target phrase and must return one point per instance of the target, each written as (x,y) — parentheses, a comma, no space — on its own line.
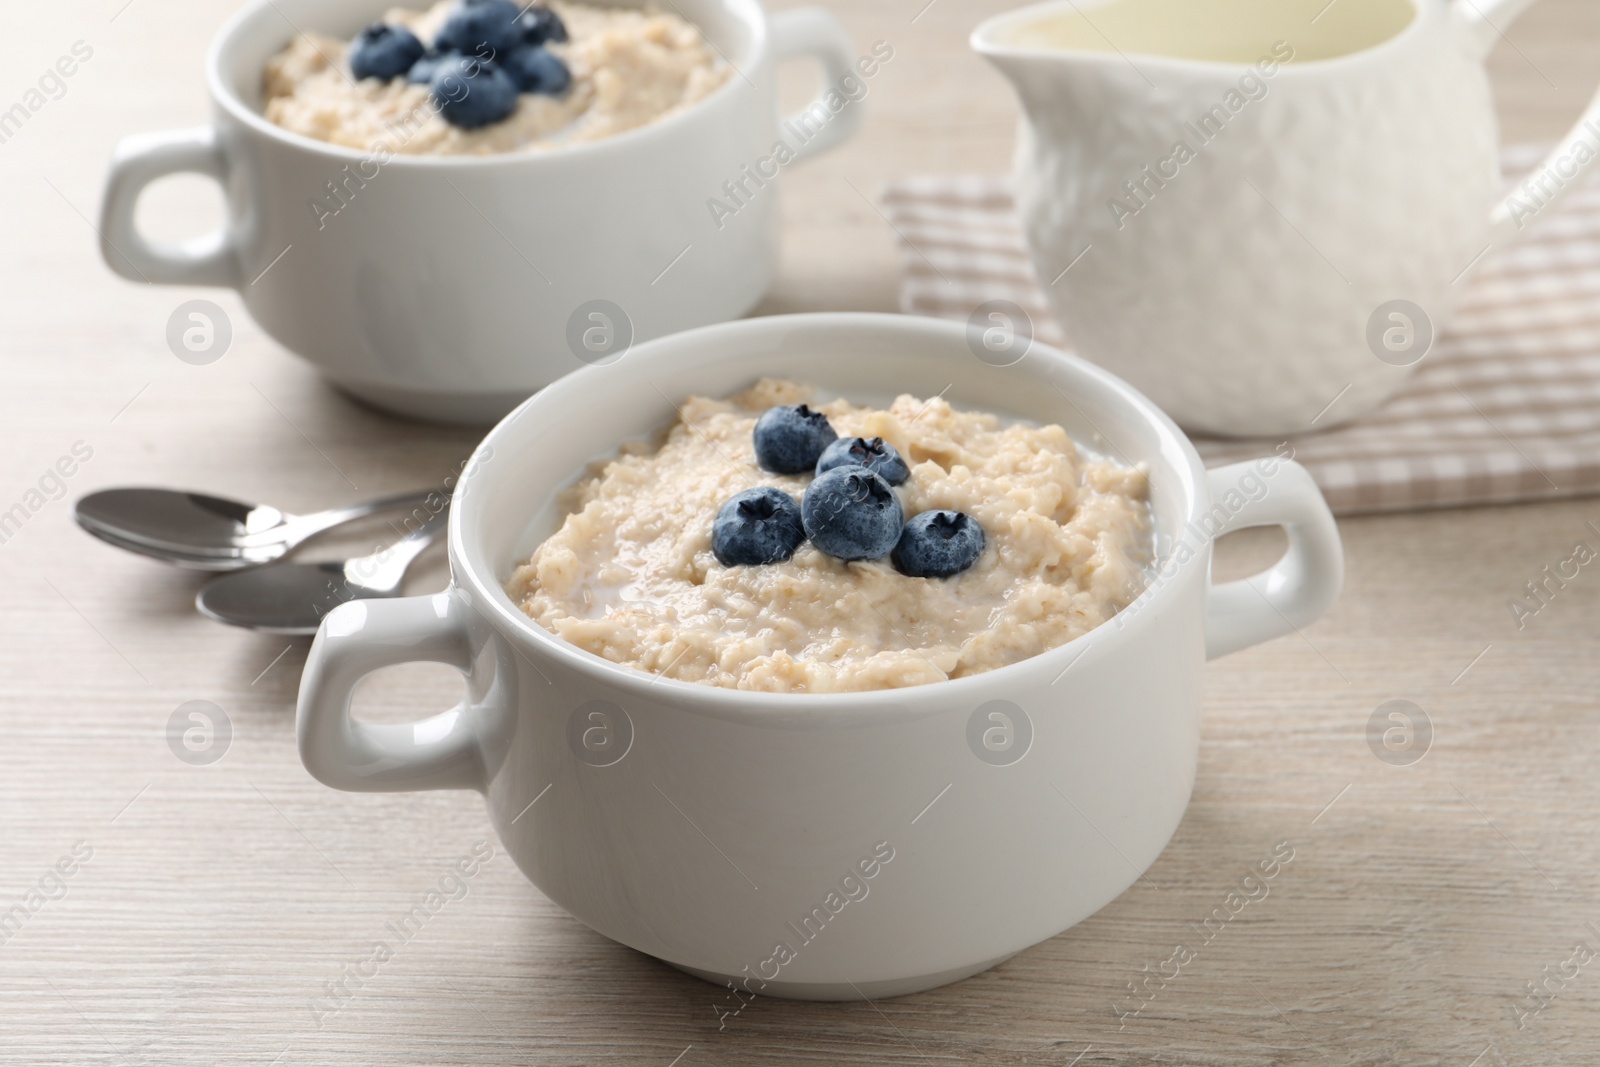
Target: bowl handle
(357,638)
(135,163)
(814,32)
(1301,586)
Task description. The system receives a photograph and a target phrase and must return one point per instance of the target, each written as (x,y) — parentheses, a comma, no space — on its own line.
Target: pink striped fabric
(1506,406)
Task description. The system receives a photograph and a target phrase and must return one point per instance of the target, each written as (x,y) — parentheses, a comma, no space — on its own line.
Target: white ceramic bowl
(450,288)
(704,826)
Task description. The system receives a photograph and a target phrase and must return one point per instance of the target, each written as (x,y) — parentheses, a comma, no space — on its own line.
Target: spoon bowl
(288,598)
(206,532)
(159,516)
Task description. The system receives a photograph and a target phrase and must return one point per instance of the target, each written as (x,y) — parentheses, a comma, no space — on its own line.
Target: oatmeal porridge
(930,543)
(453,80)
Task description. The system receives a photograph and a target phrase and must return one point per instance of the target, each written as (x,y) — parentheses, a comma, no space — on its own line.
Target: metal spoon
(292,598)
(208,532)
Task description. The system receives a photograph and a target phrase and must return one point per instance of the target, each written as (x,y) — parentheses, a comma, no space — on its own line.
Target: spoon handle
(386,568)
(303,526)
(426,534)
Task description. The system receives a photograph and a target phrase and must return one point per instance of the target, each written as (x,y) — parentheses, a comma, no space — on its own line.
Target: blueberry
(535,70)
(873,453)
(757,526)
(383,51)
(421,72)
(851,513)
(485,28)
(471,93)
(939,544)
(540,24)
(789,439)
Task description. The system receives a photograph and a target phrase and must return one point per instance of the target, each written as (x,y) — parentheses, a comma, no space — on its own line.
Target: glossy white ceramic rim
(219,83)
(983,41)
(576,390)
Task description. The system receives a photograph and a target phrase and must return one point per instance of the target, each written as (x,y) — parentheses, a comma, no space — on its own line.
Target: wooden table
(217,901)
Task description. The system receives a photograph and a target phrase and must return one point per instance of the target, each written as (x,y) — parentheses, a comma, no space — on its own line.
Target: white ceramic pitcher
(1276,202)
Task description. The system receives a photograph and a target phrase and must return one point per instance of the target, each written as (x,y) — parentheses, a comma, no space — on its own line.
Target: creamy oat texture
(630,575)
(629,68)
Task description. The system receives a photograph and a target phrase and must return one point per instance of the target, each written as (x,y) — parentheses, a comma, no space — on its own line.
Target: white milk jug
(1261,212)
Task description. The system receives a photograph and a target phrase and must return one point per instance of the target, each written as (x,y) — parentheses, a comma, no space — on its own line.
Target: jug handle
(1483,22)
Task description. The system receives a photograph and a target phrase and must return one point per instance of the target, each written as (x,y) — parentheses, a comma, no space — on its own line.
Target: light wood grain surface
(219,900)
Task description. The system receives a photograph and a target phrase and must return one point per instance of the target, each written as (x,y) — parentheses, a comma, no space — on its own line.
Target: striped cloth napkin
(1506,406)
